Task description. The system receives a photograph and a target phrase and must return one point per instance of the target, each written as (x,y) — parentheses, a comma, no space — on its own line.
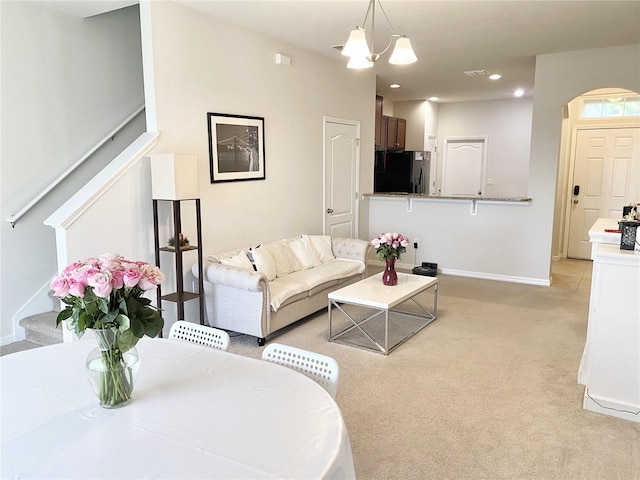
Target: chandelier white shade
(362,52)
(356,46)
(359,63)
(403,53)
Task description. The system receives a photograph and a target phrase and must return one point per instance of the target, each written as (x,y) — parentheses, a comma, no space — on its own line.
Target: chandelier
(362,52)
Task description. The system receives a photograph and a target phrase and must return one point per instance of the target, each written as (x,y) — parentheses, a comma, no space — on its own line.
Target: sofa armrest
(350,248)
(233,277)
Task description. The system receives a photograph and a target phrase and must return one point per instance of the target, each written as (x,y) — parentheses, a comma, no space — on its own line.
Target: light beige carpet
(487,391)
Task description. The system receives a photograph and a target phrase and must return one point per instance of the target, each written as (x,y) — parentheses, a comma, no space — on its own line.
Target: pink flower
(70,268)
(110,262)
(117,279)
(151,277)
(76,288)
(131,276)
(101,283)
(60,286)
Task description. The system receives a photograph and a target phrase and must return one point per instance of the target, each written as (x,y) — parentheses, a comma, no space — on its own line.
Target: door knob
(575,200)
(329,211)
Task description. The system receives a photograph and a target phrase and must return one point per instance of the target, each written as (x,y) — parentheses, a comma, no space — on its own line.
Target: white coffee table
(357,329)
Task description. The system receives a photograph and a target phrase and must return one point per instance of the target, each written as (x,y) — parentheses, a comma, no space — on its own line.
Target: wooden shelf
(174,297)
(183,249)
(180,296)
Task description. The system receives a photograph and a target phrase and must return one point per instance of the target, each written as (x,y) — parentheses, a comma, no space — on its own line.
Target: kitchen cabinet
(396,132)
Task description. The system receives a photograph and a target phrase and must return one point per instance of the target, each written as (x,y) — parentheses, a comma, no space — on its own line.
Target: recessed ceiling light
(495,76)
(518,93)
(394,85)
(433,99)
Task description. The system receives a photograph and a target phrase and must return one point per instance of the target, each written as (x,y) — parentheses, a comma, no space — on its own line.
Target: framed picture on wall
(236,147)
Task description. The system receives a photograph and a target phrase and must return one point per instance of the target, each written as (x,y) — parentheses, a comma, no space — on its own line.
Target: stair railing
(12,219)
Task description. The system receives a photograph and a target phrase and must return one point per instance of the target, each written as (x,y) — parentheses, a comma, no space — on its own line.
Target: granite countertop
(422,196)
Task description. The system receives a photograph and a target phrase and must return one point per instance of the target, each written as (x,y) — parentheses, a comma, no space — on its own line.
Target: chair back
(321,368)
(200,334)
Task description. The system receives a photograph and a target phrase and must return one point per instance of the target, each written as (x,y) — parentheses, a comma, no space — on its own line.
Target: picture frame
(236,147)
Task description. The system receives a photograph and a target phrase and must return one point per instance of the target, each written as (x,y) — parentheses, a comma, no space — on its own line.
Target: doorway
(464,166)
(606,175)
(341,177)
(599,166)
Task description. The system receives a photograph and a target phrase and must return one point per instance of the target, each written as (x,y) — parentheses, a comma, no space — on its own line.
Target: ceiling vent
(476,73)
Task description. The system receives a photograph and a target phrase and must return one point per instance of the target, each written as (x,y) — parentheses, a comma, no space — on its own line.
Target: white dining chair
(200,334)
(321,368)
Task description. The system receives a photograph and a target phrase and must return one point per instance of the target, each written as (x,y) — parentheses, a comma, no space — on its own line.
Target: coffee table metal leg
(356,324)
(426,316)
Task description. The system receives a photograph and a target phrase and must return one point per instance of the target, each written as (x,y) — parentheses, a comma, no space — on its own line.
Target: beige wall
(202,65)
(512,241)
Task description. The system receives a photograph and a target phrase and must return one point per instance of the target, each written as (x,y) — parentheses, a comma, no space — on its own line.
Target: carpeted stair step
(41,328)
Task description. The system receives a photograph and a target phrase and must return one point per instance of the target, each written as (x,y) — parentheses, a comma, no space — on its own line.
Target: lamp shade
(403,53)
(357,44)
(359,63)
(174,176)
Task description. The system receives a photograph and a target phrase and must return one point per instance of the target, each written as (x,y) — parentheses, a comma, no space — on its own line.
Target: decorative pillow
(304,251)
(239,261)
(322,244)
(283,257)
(264,262)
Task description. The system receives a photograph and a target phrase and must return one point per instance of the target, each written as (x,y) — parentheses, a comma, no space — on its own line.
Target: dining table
(196,412)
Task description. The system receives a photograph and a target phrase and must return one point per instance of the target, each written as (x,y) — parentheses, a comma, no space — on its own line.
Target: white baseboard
(611,407)
(7,339)
(500,278)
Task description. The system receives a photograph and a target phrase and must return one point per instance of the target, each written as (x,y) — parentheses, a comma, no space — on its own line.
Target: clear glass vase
(112,373)
(389,276)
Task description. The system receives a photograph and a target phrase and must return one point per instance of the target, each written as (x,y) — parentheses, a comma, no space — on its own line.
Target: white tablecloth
(196,412)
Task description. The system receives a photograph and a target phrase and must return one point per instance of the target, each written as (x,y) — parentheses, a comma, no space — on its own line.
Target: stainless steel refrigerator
(401,172)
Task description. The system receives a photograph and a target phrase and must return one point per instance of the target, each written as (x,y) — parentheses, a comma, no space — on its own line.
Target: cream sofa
(259,290)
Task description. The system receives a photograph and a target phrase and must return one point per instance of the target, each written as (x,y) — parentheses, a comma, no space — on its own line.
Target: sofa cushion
(281,289)
(263,261)
(322,244)
(283,257)
(305,252)
(239,261)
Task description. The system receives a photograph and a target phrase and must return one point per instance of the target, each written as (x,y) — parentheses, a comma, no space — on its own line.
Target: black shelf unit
(180,296)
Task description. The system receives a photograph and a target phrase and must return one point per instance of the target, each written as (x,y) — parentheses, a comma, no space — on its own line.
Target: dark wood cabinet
(180,296)
(390,132)
(396,133)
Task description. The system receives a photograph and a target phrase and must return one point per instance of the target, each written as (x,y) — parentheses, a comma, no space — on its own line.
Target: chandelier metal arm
(371,10)
(361,50)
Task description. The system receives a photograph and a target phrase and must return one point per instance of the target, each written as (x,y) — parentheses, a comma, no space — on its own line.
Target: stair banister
(12,219)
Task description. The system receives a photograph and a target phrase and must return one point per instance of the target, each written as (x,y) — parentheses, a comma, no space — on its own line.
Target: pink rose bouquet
(106,292)
(390,245)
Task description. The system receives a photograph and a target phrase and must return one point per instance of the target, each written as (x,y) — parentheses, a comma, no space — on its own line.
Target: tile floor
(571,274)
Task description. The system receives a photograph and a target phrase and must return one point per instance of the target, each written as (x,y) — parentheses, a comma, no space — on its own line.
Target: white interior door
(606,177)
(463,168)
(341,158)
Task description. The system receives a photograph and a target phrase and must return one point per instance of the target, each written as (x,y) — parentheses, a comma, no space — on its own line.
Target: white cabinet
(610,366)
(598,233)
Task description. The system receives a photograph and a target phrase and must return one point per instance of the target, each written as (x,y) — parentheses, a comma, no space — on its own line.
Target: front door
(341,157)
(606,177)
